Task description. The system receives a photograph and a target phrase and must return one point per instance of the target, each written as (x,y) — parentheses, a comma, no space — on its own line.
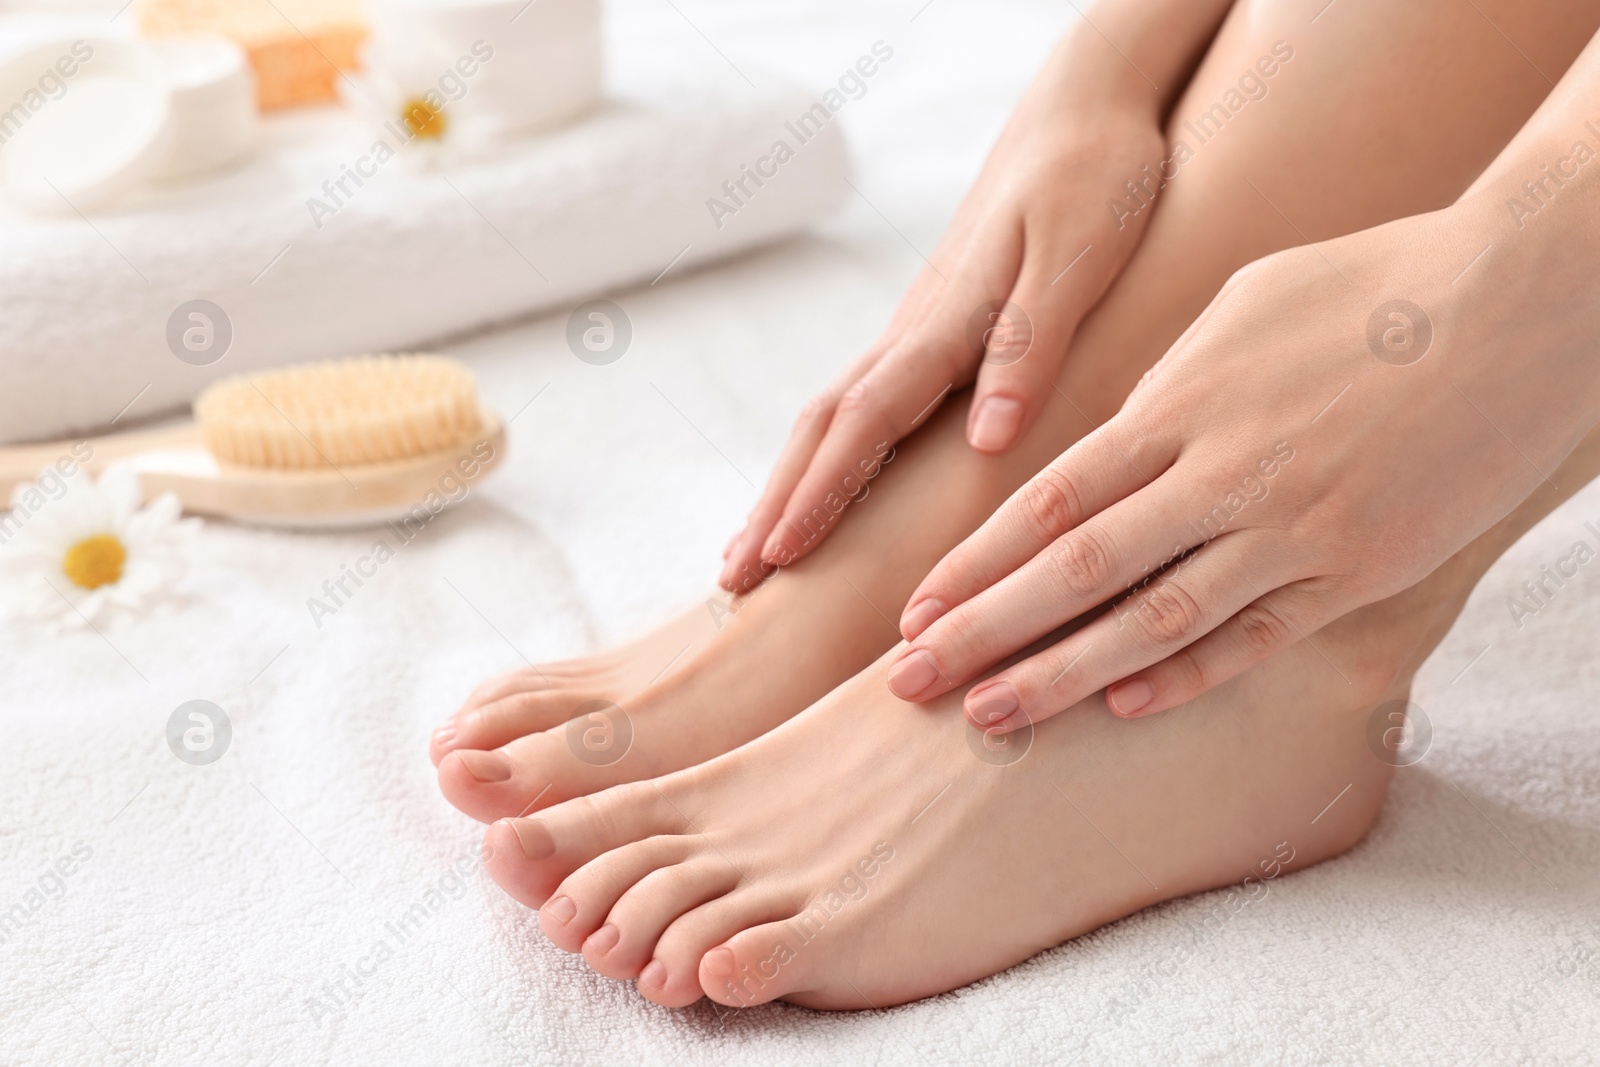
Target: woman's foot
(870,852)
(709,681)
(729,671)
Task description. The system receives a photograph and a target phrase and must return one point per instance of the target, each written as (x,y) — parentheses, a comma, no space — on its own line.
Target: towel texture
(309,898)
(305,263)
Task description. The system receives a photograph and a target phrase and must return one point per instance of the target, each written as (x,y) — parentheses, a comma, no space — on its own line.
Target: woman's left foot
(870,852)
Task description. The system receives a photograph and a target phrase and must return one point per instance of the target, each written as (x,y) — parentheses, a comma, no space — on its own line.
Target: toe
(622,947)
(532,772)
(583,901)
(485,785)
(672,978)
(529,858)
(521,680)
(755,965)
(497,722)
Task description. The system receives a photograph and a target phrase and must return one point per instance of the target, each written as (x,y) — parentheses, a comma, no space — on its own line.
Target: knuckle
(1081,562)
(1184,676)
(1169,614)
(857,401)
(957,637)
(1050,505)
(1262,629)
(819,409)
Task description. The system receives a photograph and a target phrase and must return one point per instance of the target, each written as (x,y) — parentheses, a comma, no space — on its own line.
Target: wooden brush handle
(23,463)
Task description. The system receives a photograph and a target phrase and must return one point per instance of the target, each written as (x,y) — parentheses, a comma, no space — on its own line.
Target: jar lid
(82,121)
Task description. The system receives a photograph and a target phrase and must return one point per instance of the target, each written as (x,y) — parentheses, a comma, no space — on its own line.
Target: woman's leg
(869,851)
(1353,128)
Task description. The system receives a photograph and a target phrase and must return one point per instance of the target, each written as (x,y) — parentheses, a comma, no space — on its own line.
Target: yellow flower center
(94,561)
(423,118)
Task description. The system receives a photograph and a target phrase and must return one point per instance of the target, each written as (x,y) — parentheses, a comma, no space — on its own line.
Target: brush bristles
(372,409)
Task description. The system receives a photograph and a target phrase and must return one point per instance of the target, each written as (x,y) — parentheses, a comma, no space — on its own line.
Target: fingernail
(485,766)
(561,910)
(536,842)
(995,425)
(603,940)
(444,735)
(993,705)
(912,675)
(720,961)
(734,543)
(654,974)
(774,545)
(919,616)
(1130,698)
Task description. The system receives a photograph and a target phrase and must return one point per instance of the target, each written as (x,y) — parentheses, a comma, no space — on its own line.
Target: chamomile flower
(415,101)
(88,554)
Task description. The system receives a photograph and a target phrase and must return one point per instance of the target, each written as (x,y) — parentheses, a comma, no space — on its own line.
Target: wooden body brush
(345,443)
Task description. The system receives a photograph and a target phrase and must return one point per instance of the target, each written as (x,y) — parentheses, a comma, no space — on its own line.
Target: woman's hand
(1342,419)
(1034,245)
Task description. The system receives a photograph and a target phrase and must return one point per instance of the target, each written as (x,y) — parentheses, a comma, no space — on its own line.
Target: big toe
(530,857)
(531,773)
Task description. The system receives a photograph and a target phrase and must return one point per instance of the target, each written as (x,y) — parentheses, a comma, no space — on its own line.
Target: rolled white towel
(305,263)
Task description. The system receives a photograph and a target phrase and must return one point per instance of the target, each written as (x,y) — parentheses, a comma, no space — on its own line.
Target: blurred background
(516,209)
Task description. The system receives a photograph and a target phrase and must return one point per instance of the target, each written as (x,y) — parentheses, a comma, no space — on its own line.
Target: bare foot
(728,672)
(869,852)
(534,698)
(707,682)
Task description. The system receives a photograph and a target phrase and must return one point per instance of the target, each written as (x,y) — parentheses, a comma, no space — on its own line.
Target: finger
(1262,628)
(1176,609)
(1027,340)
(894,397)
(742,567)
(877,412)
(1111,463)
(1084,568)
(741,571)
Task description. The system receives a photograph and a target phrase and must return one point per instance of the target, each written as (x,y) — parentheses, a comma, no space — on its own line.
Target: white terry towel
(413,255)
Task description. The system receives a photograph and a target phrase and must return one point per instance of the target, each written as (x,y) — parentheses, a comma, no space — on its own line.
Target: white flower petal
(156,539)
(120,494)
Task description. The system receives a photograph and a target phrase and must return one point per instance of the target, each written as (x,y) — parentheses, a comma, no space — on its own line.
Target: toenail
(485,766)
(1130,698)
(444,734)
(654,974)
(561,910)
(720,961)
(603,940)
(994,705)
(920,616)
(536,842)
(914,674)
